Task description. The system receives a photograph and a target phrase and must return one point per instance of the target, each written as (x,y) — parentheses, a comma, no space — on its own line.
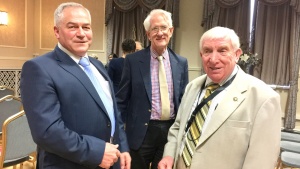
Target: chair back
(17,142)
(290,150)
(9,105)
(4,91)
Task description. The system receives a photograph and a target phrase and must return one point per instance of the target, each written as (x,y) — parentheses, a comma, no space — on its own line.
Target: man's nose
(80,32)
(214,56)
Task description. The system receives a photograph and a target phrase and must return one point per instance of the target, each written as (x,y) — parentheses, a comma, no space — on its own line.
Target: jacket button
(150,110)
(108,125)
(146,124)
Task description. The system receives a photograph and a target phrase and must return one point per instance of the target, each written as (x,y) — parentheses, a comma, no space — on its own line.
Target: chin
(215,78)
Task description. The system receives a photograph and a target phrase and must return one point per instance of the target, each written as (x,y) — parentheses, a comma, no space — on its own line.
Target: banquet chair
(290,150)
(290,159)
(9,105)
(290,136)
(17,144)
(4,91)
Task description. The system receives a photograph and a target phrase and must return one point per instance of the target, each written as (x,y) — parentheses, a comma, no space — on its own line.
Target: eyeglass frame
(163,29)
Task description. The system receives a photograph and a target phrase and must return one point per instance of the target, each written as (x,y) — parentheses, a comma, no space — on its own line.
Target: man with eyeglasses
(150,91)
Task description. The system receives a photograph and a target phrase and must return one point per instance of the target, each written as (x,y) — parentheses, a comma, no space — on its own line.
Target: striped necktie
(193,134)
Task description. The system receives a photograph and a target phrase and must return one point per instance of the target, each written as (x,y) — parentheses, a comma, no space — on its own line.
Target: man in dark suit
(68,117)
(115,67)
(149,113)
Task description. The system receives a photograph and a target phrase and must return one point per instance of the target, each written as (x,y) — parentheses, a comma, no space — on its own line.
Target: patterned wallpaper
(11,79)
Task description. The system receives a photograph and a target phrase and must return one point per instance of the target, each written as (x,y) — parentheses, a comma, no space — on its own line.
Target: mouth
(214,68)
(81,42)
(160,37)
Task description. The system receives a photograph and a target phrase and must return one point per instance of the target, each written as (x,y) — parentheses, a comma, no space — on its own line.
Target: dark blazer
(115,69)
(66,116)
(134,96)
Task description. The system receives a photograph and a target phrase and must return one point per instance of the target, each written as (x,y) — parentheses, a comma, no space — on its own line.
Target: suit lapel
(176,75)
(192,96)
(146,73)
(144,64)
(234,96)
(73,68)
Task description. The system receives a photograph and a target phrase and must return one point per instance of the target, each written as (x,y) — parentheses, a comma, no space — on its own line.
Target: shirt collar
(76,59)
(155,55)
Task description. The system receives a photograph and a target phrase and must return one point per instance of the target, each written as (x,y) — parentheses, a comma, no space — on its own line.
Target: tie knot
(212,86)
(160,58)
(84,62)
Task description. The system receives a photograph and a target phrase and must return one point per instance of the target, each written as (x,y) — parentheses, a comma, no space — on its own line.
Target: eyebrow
(73,23)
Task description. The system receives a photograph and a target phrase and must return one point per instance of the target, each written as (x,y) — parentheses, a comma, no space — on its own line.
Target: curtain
(272,42)
(277,43)
(290,117)
(234,14)
(124,19)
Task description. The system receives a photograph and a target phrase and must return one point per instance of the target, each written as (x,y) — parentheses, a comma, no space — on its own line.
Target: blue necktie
(108,105)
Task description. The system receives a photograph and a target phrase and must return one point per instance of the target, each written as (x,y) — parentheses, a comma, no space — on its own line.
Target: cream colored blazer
(244,130)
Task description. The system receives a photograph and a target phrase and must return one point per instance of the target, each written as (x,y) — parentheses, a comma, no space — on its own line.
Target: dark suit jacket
(115,69)
(134,96)
(66,116)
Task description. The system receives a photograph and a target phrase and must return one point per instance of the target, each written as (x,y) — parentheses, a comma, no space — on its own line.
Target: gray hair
(167,15)
(58,13)
(221,32)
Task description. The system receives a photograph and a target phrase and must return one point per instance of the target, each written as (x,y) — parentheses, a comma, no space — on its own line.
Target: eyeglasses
(161,28)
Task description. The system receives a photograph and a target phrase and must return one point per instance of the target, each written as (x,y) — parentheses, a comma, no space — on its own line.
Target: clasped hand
(111,156)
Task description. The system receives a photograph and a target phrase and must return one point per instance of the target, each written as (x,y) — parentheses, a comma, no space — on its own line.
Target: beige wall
(16,39)
(30,33)
(189,33)
(30,30)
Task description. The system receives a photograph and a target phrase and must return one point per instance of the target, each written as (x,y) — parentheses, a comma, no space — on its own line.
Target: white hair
(221,32)
(167,15)
(58,13)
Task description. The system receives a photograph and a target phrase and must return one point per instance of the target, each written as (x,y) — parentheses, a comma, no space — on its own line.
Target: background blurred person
(109,58)
(139,46)
(116,65)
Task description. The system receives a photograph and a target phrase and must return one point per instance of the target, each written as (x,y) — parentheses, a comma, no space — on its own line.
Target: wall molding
(198,69)
(25,30)
(13,58)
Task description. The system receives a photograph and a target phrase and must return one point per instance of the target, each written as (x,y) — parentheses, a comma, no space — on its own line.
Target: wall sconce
(3,18)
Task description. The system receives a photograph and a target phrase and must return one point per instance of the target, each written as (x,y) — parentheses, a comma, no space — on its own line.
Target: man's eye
(206,51)
(155,29)
(163,28)
(86,28)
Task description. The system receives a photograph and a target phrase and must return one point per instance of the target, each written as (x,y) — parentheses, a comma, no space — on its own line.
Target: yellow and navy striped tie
(194,132)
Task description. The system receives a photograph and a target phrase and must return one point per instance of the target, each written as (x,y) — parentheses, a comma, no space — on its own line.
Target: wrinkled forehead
(215,41)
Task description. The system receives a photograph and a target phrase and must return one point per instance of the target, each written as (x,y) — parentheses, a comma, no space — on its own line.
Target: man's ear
(171,31)
(56,31)
(238,53)
(148,35)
